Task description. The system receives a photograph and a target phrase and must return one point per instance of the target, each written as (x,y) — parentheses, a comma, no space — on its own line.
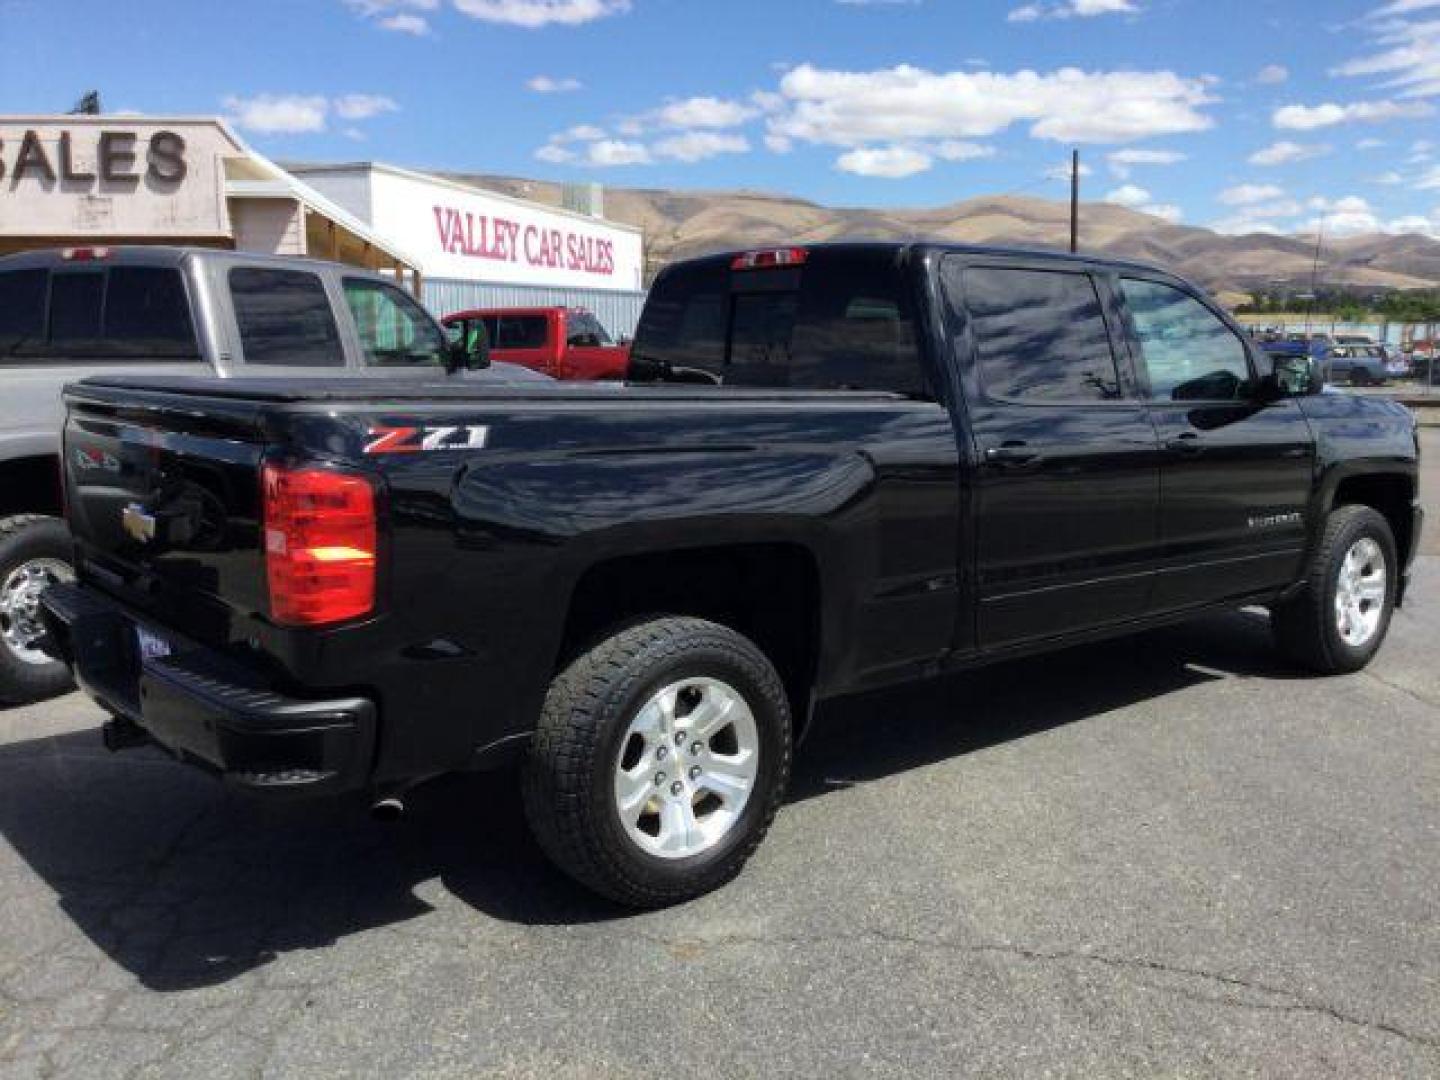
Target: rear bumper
(204,708)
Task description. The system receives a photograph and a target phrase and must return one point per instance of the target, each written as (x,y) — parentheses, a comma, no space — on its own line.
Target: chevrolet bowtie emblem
(138,524)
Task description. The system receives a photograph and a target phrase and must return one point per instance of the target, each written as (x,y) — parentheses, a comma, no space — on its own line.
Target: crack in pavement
(1297,1002)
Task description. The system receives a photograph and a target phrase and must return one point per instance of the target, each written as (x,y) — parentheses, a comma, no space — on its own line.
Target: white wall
(458,233)
(137,201)
(272,226)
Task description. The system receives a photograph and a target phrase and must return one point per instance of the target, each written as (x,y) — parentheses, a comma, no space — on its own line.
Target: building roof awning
(254,176)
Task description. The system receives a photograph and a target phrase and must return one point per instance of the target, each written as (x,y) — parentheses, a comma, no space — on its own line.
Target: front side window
(583,331)
(284,318)
(1189,353)
(1040,336)
(394,330)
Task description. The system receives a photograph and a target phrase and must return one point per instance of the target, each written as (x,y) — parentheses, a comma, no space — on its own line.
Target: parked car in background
(564,343)
(1357,365)
(66,314)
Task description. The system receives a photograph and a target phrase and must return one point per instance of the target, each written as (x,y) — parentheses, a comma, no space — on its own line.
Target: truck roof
(158,255)
(943,247)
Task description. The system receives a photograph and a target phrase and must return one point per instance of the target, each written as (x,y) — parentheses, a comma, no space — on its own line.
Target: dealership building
(99,180)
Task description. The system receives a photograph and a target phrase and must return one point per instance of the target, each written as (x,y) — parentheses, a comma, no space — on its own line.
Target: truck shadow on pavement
(186,885)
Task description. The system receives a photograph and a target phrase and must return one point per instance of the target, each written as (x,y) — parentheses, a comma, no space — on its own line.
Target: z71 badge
(415,440)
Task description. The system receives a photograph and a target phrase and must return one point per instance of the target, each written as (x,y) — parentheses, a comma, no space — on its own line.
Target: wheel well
(768,592)
(1391,495)
(30,485)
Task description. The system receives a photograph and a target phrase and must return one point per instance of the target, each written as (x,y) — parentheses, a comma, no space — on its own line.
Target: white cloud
(363,106)
(278,114)
(1071,9)
(1062,171)
(405,22)
(581,133)
(1134,197)
(959,150)
(1389,179)
(1310,117)
(1287,153)
(298,114)
(1405,7)
(533,14)
(1131,195)
(1248,194)
(547,84)
(906,104)
(704,112)
(555,154)
(1369,144)
(1122,162)
(692,146)
(609,152)
(890,162)
(1429,180)
(401,16)
(1272,75)
(1348,216)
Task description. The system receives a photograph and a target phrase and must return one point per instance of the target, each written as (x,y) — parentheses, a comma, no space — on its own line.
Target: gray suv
(65,315)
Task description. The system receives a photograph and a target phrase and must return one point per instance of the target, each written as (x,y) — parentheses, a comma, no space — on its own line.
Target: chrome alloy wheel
(20,626)
(686,768)
(1360,593)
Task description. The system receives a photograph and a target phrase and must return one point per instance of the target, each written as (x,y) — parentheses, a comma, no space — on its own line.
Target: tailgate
(163,497)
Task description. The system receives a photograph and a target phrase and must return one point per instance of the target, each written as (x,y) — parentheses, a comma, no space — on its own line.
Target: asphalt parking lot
(1166,855)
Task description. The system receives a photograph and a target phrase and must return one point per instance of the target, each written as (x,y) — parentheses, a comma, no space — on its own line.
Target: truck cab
(564,343)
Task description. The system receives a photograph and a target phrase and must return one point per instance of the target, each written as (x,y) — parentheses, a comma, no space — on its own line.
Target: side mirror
(1292,376)
(467,347)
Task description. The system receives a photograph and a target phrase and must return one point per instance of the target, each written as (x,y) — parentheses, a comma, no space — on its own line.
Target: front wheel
(660,759)
(1339,621)
(34,554)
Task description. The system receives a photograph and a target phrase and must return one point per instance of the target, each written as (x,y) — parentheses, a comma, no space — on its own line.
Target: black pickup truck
(835,468)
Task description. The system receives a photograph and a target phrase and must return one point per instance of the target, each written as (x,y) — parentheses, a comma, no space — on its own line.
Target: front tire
(1339,621)
(660,760)
(35,552)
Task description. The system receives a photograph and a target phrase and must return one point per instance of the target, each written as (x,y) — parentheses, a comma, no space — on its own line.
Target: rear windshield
(517,331)
(843,321)
(120,313)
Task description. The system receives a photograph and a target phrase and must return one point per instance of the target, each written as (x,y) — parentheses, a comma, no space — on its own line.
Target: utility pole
(1315,274)
(1074,201)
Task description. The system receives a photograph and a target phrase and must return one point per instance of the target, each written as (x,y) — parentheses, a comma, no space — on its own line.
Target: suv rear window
(284,318)
(517,331)
(22,310)
(842,321)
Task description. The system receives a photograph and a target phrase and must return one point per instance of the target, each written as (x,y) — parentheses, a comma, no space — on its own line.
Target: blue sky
(1242,114)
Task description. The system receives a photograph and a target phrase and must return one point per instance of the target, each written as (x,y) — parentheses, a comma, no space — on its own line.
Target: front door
(1067,493)
(1237,472)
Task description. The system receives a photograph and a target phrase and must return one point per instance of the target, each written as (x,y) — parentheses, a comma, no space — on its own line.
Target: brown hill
(679,224)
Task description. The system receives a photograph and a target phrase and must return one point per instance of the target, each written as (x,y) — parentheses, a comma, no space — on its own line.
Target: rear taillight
(319,545)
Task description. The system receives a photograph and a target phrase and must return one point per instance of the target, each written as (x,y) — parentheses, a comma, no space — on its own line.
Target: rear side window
(76,303)
(284,318)
(842,321)
(22,310)
(147,313)
(520,332)
(1040,336)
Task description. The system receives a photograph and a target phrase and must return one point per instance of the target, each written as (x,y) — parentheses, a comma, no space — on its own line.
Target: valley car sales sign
(457,232)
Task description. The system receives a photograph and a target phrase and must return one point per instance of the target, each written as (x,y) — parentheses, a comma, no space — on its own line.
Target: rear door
(1068,471)
(1237,472)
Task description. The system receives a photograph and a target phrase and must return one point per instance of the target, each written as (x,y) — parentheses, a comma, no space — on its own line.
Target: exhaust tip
(390,808)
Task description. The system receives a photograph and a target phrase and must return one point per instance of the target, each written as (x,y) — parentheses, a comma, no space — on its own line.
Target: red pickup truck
(564,343)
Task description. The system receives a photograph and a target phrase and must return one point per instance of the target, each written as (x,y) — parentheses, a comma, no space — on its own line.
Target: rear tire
(34,551)
(660,760)
(1339,621)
